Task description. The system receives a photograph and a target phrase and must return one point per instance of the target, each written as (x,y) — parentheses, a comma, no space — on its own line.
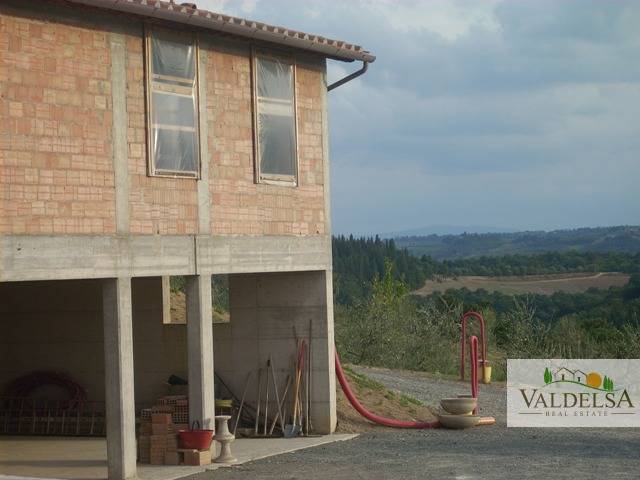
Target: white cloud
(450,19)
(229,7)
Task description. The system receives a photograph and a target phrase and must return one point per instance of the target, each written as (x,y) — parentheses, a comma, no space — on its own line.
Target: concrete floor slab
(85,458)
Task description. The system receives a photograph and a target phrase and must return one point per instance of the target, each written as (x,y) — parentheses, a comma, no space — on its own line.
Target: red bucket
(195,438)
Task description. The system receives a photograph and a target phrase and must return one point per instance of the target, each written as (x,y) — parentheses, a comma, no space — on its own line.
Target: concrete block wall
(58,326)
(266,309)
(57,171)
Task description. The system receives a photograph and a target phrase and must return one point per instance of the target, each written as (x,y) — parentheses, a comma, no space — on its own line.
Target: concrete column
(323,406)
(204,201)
(200,349)
(117,43)
(326,165)
(119,384)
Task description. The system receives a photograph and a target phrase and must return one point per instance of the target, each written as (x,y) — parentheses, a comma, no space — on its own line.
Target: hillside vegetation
(356,261)
(393,329)
(379,322)
(602,239)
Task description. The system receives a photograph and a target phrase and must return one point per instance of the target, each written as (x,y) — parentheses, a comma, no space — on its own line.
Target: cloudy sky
(508,114)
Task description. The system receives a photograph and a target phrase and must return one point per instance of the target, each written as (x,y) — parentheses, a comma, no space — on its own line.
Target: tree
(607,384)
(547,376)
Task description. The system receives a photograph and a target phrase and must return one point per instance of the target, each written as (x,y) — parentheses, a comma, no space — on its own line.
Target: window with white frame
(275,117)
(172,103)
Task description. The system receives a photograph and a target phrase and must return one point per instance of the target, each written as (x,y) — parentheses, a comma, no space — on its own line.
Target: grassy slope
(380,400)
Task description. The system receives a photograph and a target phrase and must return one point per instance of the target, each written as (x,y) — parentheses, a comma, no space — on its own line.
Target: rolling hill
(466,245)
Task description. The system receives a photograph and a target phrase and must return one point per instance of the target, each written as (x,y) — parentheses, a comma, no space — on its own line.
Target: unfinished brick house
(142,139)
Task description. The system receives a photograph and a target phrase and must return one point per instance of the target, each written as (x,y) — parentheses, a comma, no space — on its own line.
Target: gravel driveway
(494,452)
(430,389)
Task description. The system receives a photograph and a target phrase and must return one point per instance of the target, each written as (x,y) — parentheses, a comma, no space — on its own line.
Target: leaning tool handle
(296,388)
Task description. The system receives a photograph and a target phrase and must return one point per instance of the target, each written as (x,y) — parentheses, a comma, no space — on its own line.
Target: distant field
(541,284)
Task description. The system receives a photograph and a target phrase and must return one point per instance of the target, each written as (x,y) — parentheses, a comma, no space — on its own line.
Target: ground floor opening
(113,338)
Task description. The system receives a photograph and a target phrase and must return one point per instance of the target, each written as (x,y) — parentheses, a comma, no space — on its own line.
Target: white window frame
(149,89)
(263,177)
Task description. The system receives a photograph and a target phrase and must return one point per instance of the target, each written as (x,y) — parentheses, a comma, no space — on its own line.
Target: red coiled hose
(387,422)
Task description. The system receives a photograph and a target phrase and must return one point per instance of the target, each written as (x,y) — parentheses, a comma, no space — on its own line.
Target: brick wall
(56,168)
(56,174)
(158,205)
(240,206)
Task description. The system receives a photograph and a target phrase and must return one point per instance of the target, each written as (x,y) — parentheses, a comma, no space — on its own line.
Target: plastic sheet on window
(275,79)
(174,123)
(277,144)
(173,58)
(175,150)
(172,109)
(276,117)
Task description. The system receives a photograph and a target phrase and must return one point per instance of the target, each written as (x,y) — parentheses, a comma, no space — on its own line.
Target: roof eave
(235,26)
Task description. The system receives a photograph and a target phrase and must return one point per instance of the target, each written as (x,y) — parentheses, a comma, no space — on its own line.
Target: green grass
(367,382)
(364,381)
(406,400)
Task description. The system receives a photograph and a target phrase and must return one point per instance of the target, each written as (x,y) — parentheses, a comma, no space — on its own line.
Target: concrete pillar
(119,384)
(323,397)
(117,42)
(200,349)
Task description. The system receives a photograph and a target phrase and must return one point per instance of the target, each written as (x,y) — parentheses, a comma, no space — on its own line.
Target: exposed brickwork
(56,167)
(159,205)
(56,173)
(240,206)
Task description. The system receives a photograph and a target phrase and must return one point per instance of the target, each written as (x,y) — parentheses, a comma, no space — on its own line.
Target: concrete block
(291,289)
(244,323)
(245,353)
(243,291)
(222,331)
(222,353)
(282,322)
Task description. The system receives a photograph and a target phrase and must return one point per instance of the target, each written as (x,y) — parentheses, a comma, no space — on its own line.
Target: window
(275,120)
(172,99)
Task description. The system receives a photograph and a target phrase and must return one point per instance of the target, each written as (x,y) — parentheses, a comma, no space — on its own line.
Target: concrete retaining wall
(267,310)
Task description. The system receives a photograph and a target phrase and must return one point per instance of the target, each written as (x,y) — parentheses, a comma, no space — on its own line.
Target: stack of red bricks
(158,441)
(158,434)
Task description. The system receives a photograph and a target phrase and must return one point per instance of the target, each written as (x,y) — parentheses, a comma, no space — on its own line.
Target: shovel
(293,429)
